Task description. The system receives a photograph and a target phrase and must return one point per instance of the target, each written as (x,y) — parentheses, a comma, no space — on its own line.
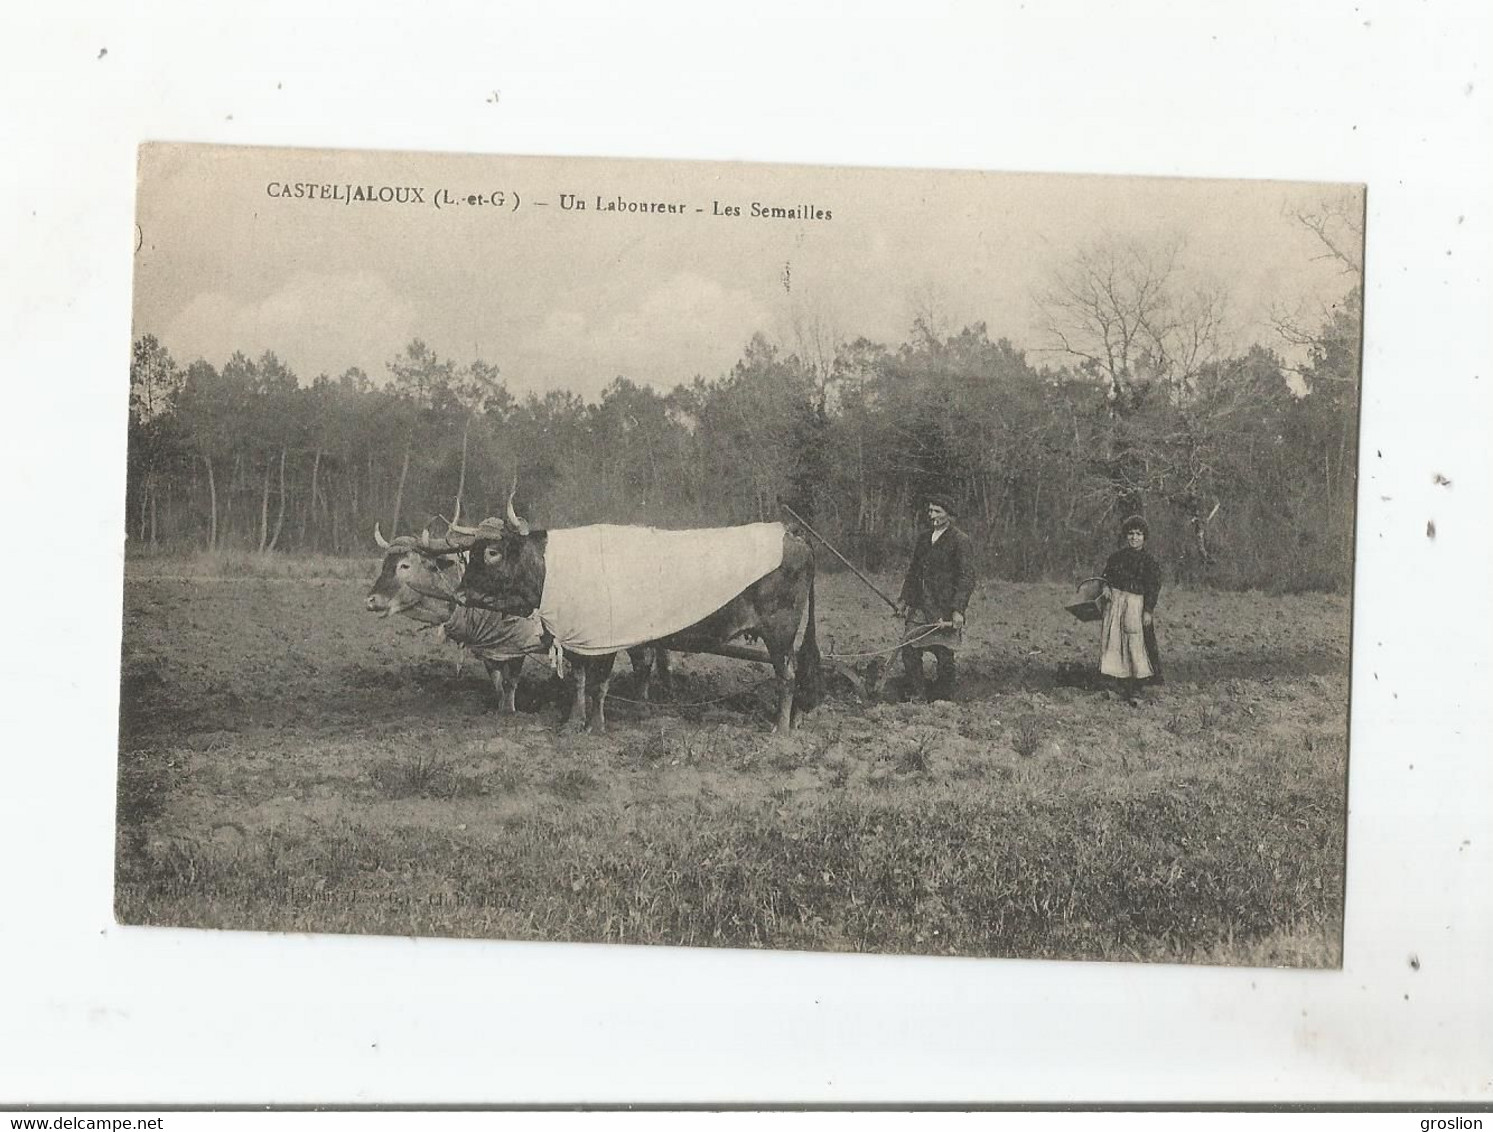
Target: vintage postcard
(745,556)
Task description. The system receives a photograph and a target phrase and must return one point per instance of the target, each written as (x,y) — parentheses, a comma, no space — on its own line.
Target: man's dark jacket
(941,575)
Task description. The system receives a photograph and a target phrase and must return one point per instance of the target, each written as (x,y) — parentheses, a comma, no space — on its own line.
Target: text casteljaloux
(348,193)
(371,194)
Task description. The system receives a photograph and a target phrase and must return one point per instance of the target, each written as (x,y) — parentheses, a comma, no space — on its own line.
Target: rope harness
(928,630)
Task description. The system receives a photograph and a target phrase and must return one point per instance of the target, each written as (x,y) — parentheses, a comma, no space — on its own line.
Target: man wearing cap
(939,581)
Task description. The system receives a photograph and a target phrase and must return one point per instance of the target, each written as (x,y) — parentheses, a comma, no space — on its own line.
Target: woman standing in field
(1127,641)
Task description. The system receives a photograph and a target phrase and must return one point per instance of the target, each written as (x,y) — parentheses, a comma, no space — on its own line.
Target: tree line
(1243,465)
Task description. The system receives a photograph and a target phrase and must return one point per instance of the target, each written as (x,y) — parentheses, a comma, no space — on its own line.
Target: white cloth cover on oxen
(610,587)
(493,636)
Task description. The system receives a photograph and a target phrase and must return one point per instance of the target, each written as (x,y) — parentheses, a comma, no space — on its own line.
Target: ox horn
(446,545)
(513,520)
(378,537)
(455,529)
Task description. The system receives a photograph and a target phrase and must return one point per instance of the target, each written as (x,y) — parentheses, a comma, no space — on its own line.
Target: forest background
(1243,459)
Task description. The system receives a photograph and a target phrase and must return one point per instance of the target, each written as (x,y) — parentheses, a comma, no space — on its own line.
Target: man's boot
(912,672)
(943,683)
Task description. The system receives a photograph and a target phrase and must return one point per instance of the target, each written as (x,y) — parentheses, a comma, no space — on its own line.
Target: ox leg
(511,670)
(665,675)
(577,720)
(642,667)
(504,677)
(602,679)
(784,667)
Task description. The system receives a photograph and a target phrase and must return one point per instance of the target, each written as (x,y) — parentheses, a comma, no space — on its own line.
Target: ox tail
(808,683)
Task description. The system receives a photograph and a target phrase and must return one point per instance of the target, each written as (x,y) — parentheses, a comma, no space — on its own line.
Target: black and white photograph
(789,556)
(740,556)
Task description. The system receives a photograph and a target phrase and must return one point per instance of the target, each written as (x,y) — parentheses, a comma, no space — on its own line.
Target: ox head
(414,580)
(506,564)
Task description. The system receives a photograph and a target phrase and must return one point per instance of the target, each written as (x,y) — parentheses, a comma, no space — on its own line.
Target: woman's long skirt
(1127,649)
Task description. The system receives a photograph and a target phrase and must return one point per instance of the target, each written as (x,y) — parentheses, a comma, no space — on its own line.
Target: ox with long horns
(600,589)
(422,587)
(413,582)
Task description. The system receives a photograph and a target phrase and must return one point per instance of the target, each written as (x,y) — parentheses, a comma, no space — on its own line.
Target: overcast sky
(571,298)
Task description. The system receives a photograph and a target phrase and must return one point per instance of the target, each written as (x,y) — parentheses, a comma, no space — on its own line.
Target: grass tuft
(572,784)
(422,776)
(917,759)
(1026,736)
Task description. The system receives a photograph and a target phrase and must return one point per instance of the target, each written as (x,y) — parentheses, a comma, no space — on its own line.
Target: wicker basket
(1086,605)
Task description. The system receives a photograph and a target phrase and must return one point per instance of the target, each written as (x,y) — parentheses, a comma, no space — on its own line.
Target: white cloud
(688,325)
(315,323)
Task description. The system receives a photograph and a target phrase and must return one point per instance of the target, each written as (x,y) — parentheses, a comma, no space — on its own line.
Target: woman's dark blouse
(1136,572)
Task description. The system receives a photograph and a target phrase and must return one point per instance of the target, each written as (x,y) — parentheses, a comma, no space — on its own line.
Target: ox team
(523,591)
(426,588)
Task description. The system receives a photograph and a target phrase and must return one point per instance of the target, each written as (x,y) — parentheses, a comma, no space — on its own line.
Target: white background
(1393,94)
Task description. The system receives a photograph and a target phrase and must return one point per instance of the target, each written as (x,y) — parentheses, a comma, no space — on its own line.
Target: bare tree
(1338,225)
(931,320)
(1129,317)
(816,343)
(1122,311)
(1327,342)
(1330,329)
